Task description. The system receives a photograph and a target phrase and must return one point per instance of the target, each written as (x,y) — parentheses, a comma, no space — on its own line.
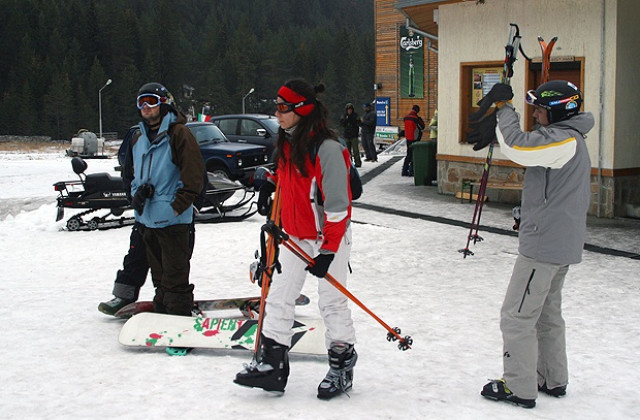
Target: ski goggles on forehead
(149,99)
(284,107)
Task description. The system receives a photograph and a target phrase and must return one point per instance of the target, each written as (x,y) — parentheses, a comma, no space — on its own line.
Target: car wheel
(219,171)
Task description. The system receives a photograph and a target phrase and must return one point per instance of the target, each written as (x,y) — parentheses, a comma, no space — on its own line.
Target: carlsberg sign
(411,64)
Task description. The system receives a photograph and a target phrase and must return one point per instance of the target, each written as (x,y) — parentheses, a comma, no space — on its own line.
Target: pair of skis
(511,50)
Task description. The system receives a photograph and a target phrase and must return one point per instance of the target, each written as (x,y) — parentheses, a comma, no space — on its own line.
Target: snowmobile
(103,191)
(92,192)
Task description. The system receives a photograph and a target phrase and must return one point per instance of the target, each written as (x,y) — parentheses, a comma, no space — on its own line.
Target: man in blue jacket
(167,178)
(555,198)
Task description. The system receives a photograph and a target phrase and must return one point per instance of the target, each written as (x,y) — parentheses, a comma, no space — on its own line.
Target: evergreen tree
(63,52)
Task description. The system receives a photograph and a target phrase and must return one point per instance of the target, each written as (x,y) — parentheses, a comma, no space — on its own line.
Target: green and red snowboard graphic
(159,330)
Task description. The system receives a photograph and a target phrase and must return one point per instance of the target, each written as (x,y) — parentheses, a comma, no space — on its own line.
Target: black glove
(140,198)
(500,92)
(264,196)
(482,132)
(321,265)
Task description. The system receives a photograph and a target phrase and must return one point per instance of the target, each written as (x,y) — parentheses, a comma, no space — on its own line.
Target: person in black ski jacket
(555,198)
(350,126)
(368,130)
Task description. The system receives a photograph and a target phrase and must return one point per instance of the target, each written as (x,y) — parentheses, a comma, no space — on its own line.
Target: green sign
(411,64)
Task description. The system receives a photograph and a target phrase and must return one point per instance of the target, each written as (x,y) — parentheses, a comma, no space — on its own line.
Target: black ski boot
(559,391)
(497,390)
(271,372)
(339,379)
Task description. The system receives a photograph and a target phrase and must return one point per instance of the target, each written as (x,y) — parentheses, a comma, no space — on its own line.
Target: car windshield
(208,133)
(272,123)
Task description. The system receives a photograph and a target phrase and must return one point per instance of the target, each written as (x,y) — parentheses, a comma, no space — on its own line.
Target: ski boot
(270,372)
(339,379)
(559,391)
(114,305)
(497,390)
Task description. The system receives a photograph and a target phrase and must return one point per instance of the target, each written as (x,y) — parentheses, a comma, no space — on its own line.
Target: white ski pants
(533,330)
(286,287)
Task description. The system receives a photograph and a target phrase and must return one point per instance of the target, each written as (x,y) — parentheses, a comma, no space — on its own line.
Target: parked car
(235,161)
(259,129)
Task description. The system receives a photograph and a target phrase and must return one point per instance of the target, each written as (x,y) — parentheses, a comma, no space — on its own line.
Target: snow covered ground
(61,357)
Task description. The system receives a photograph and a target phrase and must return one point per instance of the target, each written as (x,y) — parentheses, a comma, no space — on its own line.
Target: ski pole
(478,209)
(270,257)
(393,333)
(511,50)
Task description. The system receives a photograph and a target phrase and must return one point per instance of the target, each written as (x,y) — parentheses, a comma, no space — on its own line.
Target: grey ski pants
(533,330)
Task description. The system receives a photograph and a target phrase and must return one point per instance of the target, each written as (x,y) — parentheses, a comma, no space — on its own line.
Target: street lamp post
(245,97)
(100,103)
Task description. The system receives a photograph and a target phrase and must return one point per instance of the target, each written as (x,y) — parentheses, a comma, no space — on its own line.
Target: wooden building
(437,48)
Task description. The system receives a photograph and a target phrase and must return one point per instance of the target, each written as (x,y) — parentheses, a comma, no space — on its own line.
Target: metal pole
(100,104)
(245,97)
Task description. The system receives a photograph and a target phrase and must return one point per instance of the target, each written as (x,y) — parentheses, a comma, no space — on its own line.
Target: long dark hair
(310,131)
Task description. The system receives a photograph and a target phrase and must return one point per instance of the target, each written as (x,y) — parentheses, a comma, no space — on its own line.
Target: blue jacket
(154,164)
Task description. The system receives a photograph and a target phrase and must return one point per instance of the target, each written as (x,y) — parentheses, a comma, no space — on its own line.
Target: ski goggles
(284,107)
(531,97)
(149,99)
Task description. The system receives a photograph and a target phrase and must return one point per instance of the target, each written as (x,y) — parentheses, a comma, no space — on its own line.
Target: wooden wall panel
(387,23)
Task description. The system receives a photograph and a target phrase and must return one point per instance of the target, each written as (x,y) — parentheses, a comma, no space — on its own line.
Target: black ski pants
(407,166)
(132,276)
(169,254)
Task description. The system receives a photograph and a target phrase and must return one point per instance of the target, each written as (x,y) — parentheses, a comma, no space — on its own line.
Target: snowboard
(248,306)
(150,329)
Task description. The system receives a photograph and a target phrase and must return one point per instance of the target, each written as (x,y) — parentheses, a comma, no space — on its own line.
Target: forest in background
(58,54)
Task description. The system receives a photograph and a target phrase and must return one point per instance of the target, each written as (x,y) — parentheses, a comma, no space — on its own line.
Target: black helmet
(156,89)
(561,99)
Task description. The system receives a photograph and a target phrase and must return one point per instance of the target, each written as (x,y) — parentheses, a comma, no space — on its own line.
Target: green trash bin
(425,167)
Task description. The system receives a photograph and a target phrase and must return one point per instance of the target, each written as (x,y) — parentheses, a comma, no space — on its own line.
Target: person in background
(555,199)
(310,162)
(433,127)
(368,130)
(413,126)
(350,126)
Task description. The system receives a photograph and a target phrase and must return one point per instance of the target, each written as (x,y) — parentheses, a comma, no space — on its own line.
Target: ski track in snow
(62,358)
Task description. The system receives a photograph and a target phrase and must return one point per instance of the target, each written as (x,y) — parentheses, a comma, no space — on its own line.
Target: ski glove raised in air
(500,92)
(483,132)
